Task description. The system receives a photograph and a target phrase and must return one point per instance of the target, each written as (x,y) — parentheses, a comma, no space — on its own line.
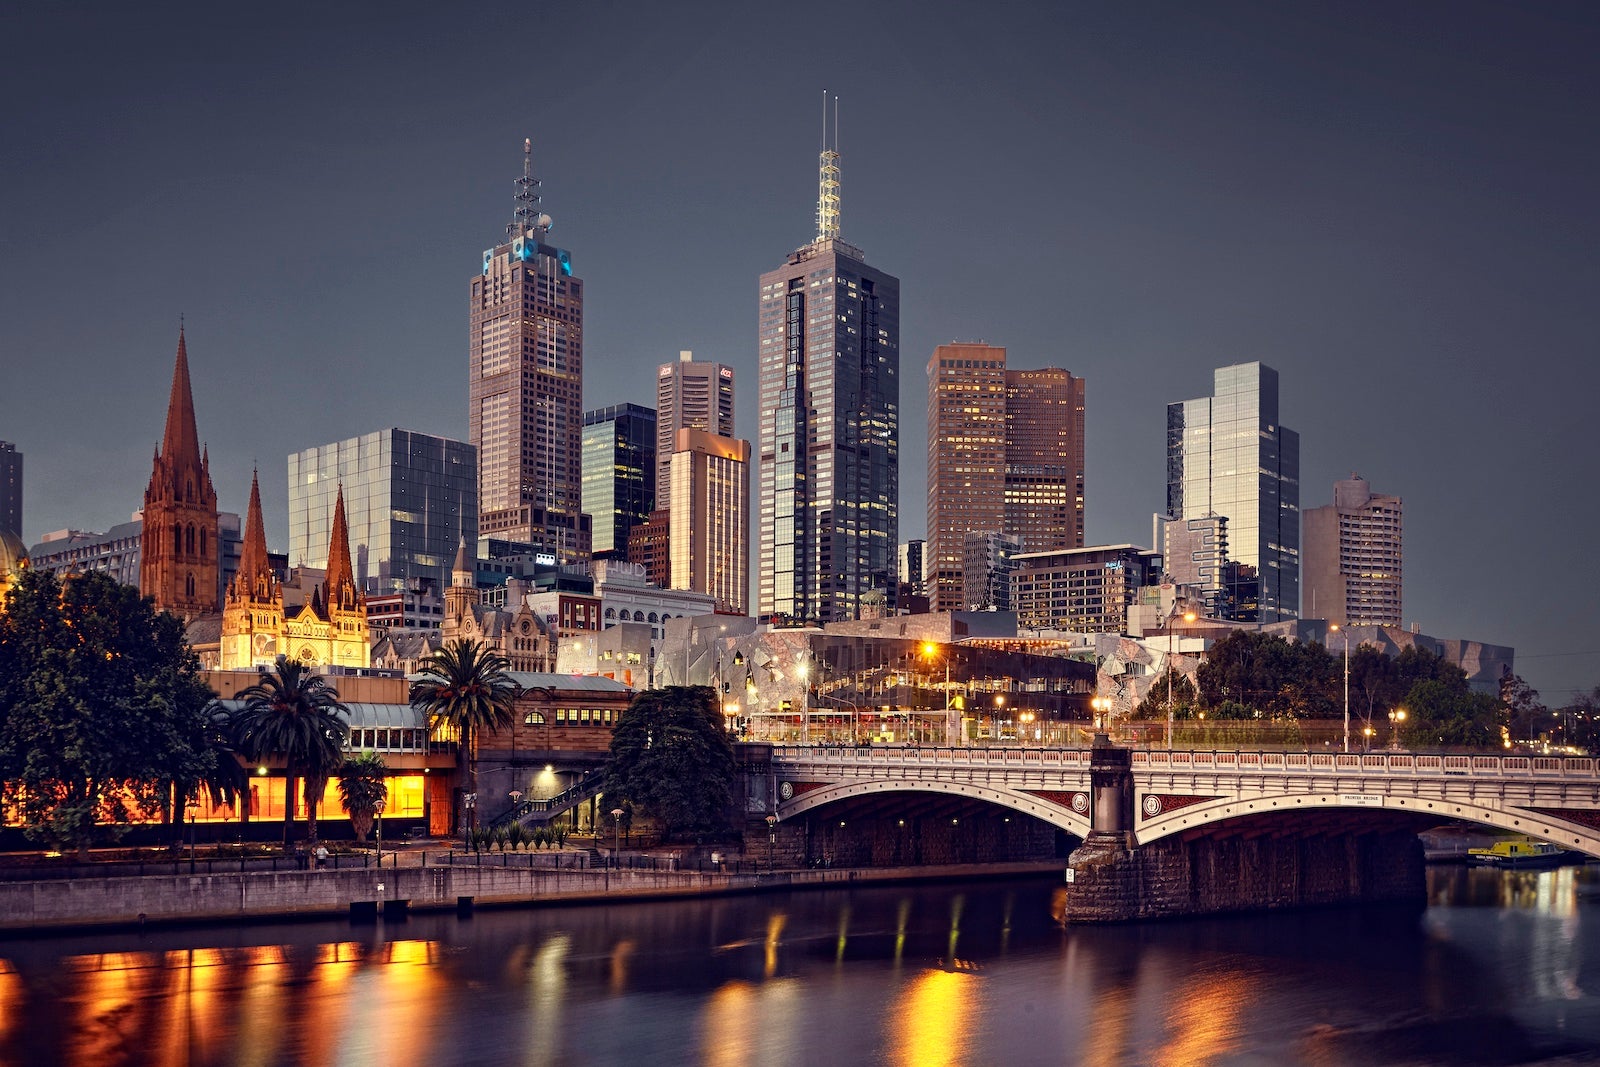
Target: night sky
(1393,205)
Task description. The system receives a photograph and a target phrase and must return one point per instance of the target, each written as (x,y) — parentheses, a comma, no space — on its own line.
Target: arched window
(533,718)
(202,541)
(638,616)
(188,540)
(189,586)
(611,613)
(653,617)
(188,490)
(177,539)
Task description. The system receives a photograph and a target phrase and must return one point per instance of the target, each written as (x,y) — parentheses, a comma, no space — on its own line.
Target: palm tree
(296,715)
(465,685)
(223,779)
(361,790)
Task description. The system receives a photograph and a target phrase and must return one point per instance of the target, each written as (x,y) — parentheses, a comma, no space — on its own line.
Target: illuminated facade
(13,559)
(1228,455)
(1005,455)
(179,554)
(619,474)
(525,351)
(709,518)
(829,437)
(328,628)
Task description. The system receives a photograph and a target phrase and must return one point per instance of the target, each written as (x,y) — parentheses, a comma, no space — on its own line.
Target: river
(1502,967)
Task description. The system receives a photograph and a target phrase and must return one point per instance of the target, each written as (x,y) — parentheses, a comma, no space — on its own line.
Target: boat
(1519,852)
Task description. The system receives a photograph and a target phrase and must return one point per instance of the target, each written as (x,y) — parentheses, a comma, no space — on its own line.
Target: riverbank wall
(257,896)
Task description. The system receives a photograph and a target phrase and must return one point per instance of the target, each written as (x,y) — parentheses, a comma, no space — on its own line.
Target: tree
(671,758)
(1374,682)
(99,700)
(1278,678)
(296,716)
(1525,714)
(361,789)
(1185,700)
(1442,713)
(204,758)
(465,686)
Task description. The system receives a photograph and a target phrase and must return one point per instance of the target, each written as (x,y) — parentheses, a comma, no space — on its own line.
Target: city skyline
(1386,207)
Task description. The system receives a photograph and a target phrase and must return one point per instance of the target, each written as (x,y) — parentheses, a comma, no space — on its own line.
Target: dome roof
(12,553)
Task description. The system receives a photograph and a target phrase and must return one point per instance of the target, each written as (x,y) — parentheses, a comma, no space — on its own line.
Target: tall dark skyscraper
(10,488)
(525,351)
(619,474)
(830,423)
(1228,455)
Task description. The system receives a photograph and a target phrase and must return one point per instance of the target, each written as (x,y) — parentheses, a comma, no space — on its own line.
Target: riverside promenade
(363,893)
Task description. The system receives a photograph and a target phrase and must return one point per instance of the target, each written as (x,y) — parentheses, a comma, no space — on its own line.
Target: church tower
(462,593)
(344,603)
(179,561)
(252,614)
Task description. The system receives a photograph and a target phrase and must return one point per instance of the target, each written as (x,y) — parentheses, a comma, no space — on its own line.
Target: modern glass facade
(619,474)
(1228,455)
(829,333)
(409,499)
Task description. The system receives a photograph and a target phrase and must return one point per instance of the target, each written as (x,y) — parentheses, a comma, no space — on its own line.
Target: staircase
(532,813)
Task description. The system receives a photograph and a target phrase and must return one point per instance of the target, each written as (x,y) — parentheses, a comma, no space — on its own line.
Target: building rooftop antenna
(828,175)
(527,216)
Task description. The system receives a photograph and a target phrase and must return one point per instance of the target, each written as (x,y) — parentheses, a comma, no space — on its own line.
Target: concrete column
(1111,783)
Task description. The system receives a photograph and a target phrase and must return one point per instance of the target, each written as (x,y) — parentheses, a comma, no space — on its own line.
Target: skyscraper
(689,396)
(619,474)
(1005,456)
(829,359)
(1228,455)
(709,519)
(179,553)
(1351,555)
(409,498)
(525,351)
(10,488)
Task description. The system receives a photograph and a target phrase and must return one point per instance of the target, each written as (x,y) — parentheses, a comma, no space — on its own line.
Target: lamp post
(377,809)
(1172,642)
(616,837)
(930,650)
(193,808)
(772,839)
(1336,628)
(1396,717)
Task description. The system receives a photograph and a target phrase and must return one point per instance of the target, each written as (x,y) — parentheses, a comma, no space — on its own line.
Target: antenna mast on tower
(828,175)
(527,216)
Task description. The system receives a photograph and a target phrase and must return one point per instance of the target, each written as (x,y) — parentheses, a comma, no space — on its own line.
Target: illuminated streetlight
(1335,628)
(616,839)
(1396,717)
(1172,638)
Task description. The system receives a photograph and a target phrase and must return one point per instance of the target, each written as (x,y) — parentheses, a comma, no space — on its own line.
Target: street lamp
(616,836)
(772,839)
(930,650)
(1026,719)
(194,809)
(1334,627)
(377,809)
(1396,717)
(1172,640)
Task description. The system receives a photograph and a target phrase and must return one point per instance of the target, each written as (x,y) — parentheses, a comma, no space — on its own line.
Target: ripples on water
(1500,969)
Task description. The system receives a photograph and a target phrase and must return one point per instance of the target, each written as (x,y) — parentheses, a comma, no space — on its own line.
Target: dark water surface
(1503,967)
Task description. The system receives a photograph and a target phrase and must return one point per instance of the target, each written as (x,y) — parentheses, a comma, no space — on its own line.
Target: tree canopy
(465,685)
(296,716)
(102,710)
(671,759)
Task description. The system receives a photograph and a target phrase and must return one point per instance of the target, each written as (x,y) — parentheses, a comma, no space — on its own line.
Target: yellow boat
(1519,852)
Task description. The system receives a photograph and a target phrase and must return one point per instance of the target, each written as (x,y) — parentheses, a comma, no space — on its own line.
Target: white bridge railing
(1399,764)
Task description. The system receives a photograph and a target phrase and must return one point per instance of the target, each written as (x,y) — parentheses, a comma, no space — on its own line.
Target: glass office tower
(1228,455)
(409,499)
(619,474)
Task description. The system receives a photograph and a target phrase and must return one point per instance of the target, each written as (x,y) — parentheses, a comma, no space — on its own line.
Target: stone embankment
(85,902)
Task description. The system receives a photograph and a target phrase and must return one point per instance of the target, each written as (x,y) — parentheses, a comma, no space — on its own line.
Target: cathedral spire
(340,582)
(255,572)
(180,444)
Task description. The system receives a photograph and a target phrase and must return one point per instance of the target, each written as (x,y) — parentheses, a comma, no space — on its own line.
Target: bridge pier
(1111,878)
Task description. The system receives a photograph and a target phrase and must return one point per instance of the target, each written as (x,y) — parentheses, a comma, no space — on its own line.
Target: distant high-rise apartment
(1350,553)
(10,488)
(709,520)
(1085,590)
(650,546)
(689,396)
(619,474)
(409,499)
(525,350)
(829,359)
(1005,454)
(1228,455)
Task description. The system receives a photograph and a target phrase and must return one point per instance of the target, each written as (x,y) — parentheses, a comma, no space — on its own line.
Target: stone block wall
(1204,875)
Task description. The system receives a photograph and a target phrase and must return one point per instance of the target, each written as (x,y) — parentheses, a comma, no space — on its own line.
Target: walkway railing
(548,807)
(1408,764)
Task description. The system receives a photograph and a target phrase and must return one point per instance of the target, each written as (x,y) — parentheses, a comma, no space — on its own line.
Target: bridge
(1259,807)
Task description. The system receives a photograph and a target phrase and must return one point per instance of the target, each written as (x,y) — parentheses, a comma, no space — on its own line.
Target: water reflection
(1500,968)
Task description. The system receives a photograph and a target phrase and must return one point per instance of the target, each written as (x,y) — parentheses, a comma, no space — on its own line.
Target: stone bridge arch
(1545,825)
(1054,809)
